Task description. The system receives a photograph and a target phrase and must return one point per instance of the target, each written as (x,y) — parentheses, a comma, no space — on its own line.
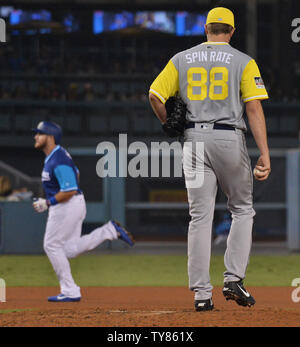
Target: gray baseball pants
(224,161)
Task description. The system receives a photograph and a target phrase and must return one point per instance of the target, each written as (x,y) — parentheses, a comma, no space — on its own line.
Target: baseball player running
(216,82)
(67,210)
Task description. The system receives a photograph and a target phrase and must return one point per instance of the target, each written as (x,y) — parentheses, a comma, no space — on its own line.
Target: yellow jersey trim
(166,83)
(252,86)
(214,43)
(257,97)
(161,98)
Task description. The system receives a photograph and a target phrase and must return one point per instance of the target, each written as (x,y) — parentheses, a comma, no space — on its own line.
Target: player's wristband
(52,201)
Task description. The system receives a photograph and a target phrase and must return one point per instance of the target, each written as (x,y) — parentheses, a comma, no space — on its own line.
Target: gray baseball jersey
(214,80)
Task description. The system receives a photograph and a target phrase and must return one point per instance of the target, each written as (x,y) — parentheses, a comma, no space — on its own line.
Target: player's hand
(263,168)
(40,205)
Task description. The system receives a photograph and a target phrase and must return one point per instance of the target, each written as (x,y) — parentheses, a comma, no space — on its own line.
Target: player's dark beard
(40,146)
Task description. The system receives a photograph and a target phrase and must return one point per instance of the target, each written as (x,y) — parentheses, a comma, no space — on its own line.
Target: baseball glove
(176,112)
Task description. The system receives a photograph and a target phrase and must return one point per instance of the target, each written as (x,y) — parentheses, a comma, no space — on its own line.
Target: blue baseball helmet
(49,128)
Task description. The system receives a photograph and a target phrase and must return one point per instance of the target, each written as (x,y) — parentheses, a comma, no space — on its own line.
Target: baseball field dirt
(146,307)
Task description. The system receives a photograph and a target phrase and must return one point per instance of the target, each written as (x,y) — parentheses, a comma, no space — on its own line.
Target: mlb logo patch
(259,82)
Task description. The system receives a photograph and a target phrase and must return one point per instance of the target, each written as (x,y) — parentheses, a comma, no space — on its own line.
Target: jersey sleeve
(66,178)
(166,83)
(252,85)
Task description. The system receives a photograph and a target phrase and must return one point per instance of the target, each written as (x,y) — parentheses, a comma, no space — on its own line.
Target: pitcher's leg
(201,205)
(238,245)
(240,204)
(237,184)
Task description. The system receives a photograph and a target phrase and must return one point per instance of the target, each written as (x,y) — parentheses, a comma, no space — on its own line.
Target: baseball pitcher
(216,82)
(67,210)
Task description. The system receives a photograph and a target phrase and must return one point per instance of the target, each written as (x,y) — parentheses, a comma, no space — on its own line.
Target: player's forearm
(64,196)
(41,205)
(257,125)
(158,108)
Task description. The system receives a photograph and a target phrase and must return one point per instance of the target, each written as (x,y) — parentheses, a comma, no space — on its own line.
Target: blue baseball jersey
(60,174)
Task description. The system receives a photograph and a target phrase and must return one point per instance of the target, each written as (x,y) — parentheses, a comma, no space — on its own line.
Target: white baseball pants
(63,239)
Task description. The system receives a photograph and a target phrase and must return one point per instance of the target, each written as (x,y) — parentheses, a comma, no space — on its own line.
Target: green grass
(139,270)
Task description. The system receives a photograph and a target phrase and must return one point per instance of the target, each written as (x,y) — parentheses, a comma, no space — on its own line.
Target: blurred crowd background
(89,66)
(48,67)
(67,73)
(47,42)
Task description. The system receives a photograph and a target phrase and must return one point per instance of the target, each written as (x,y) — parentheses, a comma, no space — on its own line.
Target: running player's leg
(60,225)
(79,244)
(233,170)
(85,243)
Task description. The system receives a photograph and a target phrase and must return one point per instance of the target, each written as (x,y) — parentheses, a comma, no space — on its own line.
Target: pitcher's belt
(217,126)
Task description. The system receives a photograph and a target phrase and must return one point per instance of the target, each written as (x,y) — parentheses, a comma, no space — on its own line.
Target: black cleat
(204,305)
(236,291)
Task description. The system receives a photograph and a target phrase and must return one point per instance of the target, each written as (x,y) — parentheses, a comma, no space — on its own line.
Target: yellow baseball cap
(220,15)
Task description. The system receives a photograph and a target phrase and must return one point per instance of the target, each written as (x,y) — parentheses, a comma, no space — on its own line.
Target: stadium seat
(97,124)
(118,124)
(142,124)
(155,125)
(273,124)
(22,123)
(289,124)
(121,87)
(4,122)
(72,124)
(99,87)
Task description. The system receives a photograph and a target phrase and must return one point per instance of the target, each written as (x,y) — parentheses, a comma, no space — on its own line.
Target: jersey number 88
(202,83)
